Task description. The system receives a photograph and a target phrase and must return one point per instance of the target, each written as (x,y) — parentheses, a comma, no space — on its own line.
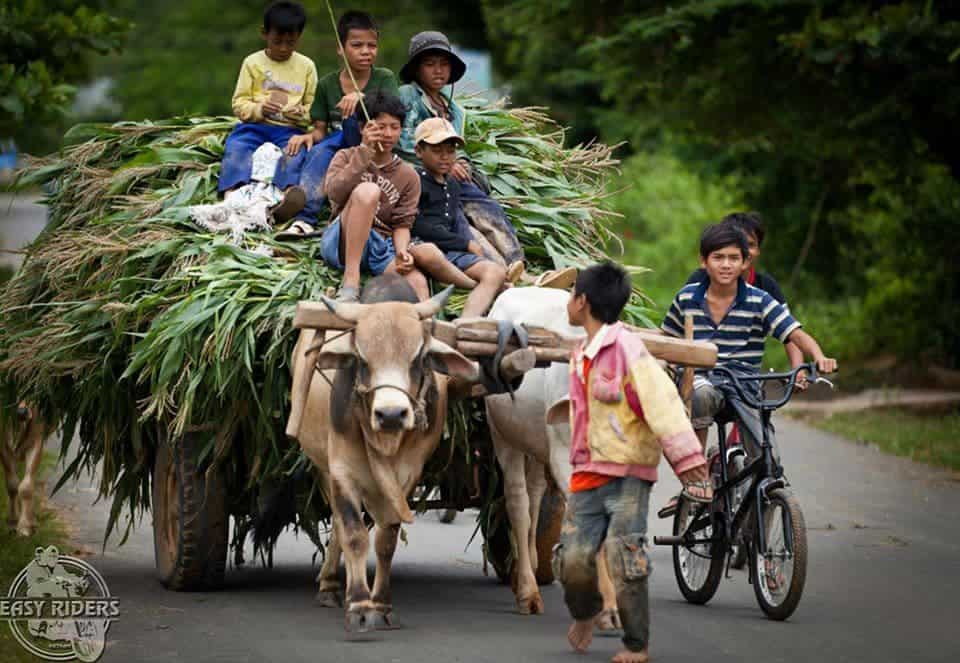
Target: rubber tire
(714,575)
(191,552)
(552,509)
(798,527)
(446,516)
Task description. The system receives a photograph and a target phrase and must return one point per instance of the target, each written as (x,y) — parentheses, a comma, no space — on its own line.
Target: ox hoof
(608,621)
(532,605)
(330,598)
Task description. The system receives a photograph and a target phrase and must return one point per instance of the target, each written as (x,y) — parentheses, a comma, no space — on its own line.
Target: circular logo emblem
(59,608)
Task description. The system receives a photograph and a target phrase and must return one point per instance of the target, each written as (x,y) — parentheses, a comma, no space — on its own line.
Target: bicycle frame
(764,474)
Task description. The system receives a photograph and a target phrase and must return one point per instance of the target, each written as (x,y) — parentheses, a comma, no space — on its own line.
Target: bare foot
(627,656)
(580,635)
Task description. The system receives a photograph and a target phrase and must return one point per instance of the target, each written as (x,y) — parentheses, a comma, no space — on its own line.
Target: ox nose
(391,418)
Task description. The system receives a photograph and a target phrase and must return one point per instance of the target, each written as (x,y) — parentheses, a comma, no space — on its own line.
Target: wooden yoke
(478,337)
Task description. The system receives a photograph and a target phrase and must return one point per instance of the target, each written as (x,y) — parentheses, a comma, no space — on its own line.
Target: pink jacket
(628,413)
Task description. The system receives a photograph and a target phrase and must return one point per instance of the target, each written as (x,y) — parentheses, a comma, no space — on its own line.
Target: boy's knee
(627,557)
(575,565)
(494,273)
(418,282)
(366,193)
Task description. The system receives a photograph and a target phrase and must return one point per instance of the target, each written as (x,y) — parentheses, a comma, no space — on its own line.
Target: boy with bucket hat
(431,67)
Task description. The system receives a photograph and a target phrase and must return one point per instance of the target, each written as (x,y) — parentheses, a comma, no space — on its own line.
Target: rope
(346,63)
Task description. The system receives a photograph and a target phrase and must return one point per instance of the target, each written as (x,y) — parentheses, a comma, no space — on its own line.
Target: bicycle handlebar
(759,403)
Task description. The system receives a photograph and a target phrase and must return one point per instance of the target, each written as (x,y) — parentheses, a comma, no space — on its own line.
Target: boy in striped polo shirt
(737,317)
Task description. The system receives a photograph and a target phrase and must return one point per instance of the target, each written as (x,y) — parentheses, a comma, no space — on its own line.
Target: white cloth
(245,208)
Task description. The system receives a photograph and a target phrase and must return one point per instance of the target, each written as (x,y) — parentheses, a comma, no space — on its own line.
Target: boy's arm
(406,146)
(345,173)
(405,211)
(808,345)
(663,410)
(245,108)
(673,321)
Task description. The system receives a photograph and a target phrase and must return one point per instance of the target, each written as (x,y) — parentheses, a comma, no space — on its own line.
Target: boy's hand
(269,108)
(698,473)
(826,364)
(348,104)
(404,262)
(371,135)
(295,143)
(461,170)
(801,383)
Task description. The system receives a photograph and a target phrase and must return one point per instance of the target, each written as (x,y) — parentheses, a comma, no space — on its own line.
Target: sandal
(348,294)
(299,229)
(562,279)
(705,486)
(294,200)
(515,271)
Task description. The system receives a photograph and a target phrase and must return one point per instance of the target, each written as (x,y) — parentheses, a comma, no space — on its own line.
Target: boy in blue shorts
(272,100)
(448,252)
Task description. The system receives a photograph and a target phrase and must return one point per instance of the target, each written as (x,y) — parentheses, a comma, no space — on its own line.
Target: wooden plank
(315,315)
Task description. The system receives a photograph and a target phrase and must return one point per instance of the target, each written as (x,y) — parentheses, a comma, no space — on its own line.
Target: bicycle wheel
(698,568)
(779,575)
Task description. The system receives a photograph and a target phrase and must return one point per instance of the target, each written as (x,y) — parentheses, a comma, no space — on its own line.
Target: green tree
(842,117)
(45,47)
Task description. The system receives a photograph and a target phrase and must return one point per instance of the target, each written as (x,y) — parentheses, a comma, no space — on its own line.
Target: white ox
(526,445)
(370,431)
(22,441)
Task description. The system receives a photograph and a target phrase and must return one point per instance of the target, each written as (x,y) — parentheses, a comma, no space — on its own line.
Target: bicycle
(707,535)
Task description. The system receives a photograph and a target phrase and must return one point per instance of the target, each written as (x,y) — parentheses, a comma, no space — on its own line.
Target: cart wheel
(190,519)
(552,509)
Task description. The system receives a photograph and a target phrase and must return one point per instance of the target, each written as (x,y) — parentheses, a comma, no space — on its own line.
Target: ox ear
(559,412)
(434,305)
(448,361)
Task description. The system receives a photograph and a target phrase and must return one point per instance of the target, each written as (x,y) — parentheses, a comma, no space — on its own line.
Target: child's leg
(356,220)
(490,277)
(584,529)
(627,504)
(432,261)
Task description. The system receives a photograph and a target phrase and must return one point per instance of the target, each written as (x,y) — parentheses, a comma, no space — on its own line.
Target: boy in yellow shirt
(272,100)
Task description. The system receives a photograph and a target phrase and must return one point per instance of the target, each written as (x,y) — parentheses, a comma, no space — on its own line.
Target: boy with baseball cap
(446,249)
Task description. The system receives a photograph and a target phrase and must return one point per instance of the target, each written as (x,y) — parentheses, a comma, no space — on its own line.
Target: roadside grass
(932,438)
(16,552)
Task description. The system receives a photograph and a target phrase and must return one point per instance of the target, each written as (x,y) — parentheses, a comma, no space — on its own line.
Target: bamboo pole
(686,384)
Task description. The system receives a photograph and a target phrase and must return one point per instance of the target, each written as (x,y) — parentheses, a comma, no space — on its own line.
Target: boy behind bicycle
(737,317)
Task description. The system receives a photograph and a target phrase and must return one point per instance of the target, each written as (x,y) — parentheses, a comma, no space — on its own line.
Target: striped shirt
(739,337)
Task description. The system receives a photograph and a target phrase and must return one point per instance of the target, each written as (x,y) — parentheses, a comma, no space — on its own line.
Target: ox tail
(385,475)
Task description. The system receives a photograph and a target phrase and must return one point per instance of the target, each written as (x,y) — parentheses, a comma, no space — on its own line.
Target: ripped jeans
(615,513)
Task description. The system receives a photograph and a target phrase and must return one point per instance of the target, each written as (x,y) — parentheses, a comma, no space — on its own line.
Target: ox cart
(191,513)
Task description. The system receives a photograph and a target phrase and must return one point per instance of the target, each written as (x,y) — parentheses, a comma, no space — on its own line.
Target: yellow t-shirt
(292,84)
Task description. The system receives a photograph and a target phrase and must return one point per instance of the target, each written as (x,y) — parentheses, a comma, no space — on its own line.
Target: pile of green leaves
(131,325)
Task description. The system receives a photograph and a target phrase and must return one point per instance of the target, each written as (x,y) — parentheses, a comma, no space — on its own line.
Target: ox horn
(349,311)
(434,305)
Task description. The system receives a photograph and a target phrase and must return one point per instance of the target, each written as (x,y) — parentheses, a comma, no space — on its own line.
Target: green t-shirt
(329,94)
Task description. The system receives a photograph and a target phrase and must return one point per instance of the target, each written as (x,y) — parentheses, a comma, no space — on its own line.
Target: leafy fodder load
(129,324)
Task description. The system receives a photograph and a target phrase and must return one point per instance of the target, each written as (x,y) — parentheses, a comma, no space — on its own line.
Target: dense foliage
(839,117)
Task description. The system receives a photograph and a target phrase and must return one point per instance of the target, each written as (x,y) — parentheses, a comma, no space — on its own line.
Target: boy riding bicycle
(737,317)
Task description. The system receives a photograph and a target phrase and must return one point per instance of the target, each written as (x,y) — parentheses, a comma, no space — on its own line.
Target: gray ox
(370,433)
(22,441)
(527,447)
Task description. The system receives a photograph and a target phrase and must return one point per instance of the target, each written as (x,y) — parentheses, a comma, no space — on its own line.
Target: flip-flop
(705,485)
(299,229)
(515,271)
(294,200)
(561,279)
(348,294)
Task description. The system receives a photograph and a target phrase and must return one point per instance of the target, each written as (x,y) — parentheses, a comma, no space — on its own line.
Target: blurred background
(838,121)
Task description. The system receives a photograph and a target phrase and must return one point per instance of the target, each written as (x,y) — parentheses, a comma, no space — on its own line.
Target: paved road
(21,219)
(882,585)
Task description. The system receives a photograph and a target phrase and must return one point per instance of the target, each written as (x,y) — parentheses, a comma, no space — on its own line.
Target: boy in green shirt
(335,125)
